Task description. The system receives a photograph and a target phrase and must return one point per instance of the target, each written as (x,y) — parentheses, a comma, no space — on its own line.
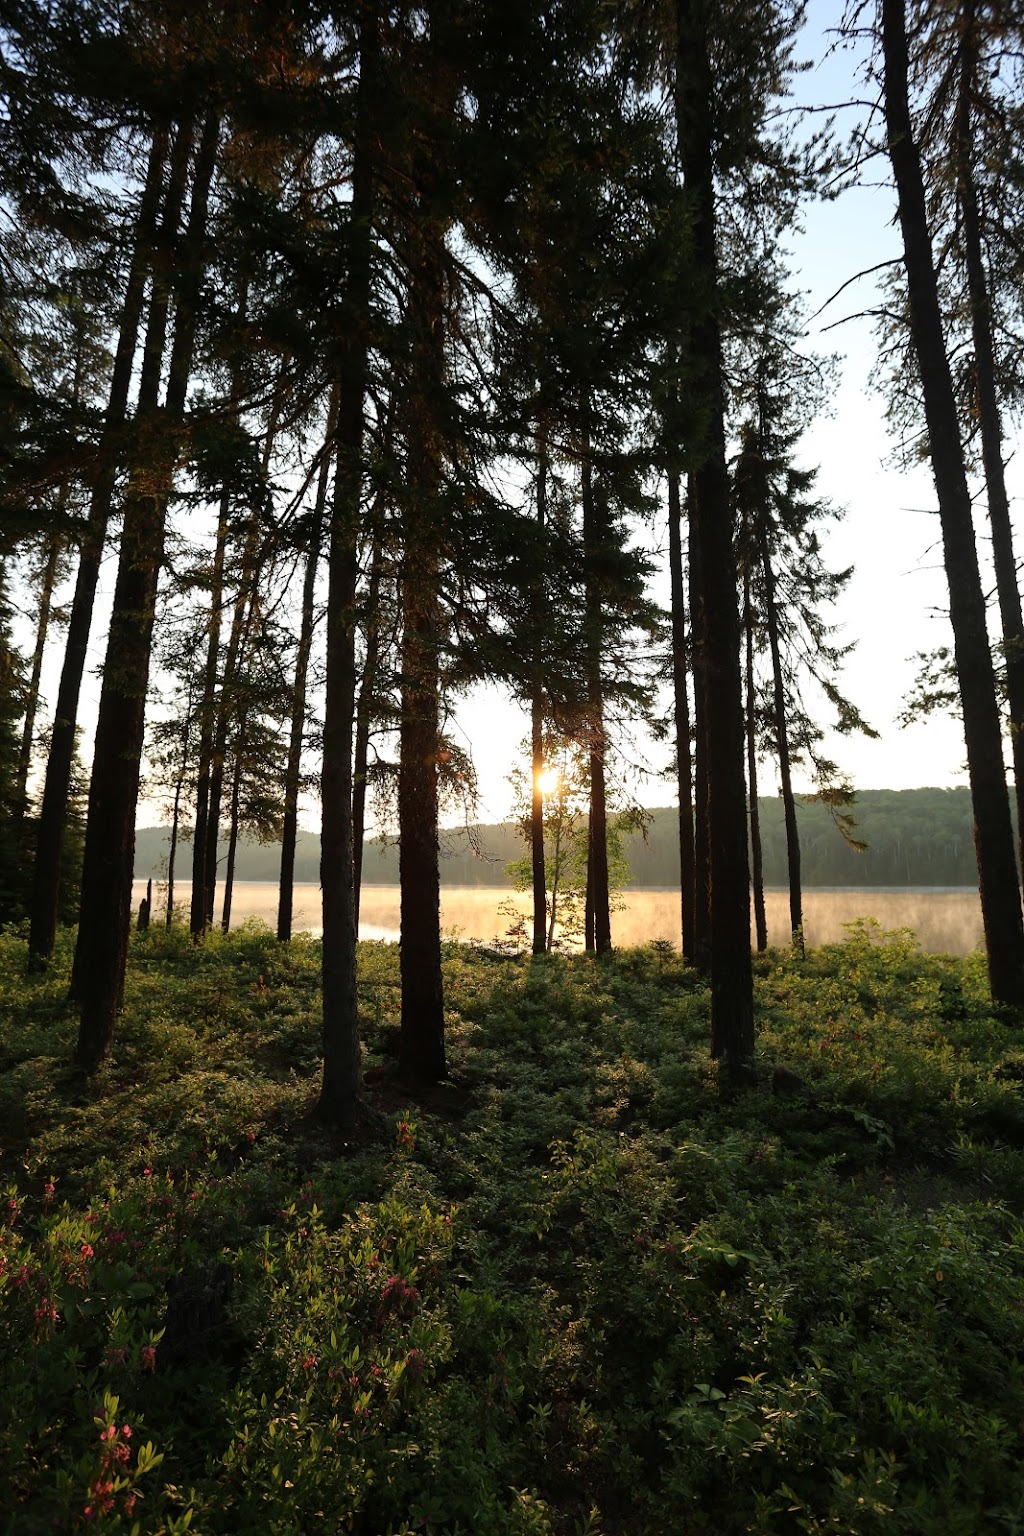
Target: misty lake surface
(946,920)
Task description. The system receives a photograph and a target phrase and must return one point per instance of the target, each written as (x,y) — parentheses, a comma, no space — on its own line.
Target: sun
(548,781)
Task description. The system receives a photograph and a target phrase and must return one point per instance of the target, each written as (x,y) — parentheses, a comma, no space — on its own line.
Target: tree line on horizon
(363,337)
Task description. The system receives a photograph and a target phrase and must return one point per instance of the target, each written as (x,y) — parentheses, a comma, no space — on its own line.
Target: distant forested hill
(915,837)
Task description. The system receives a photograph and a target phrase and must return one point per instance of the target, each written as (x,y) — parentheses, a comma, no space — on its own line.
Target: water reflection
(944,919)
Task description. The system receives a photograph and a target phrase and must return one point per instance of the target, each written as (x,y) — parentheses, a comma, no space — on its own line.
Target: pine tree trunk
(293,771)
(56,790)
(173,852)
(989,419)
(245,599)
(42,628)
(207,726)
(771,614)
(701,846)
(732,999)
(102,948)
(993,832)
(756,861)
(364,713)
(340,1088)
(229,868)
(538,871)
(598,896)
(684,759)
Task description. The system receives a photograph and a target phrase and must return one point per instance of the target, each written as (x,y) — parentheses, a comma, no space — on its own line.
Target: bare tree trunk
(173,851)
(796,909)
(42,628)
(538,871)
(293,770)
(229,868)
(684,759)
(993,831)
(989,416)
(756,862)
(207,726)
(339,1101)
(732,997)
(594,533)
(56,790)
(364,712)
(101,954)
(701,845)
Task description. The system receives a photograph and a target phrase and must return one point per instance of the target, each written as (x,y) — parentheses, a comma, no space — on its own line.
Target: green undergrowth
(581,1288)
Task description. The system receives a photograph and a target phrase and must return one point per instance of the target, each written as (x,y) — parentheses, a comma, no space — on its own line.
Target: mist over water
(944,920)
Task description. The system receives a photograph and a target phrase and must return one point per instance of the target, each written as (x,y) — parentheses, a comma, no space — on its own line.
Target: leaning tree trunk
(293,771)
(756,860)
(993,831)
(56,789)
(340,1087)
(102,949)
(989,419)
(732,989)
(599,937)
(684,758)
(771,614)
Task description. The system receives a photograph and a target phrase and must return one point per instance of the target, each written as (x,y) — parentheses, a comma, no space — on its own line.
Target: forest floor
(579,1289)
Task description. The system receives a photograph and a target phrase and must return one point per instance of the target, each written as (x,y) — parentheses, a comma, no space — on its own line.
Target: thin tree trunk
(207,726)
(684,759)
(538,871)
(42,628)
(229,868)
(598,896)
(249,578)
(294,768)
(796,909)
(56,790)
(101,954)
(173,852)
(364,714)
(993,832)
(756,861)
(989,419)
(340,1088)
(732,996)
(701,845)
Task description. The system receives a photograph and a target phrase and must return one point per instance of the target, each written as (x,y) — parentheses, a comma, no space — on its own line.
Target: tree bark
(756,861)
(993,833)
(229,866)
(364,708)
(110,832)
(207,726)
(42,629)
(293,770)
(796,911)
(538,871)
(172,854)
(53,810)
(684,757)
(340,1087)
(598,897)
(701,845)
(732,1002)
(989,416)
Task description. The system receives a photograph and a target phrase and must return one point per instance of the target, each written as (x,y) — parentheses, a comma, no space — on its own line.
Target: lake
(944,919)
